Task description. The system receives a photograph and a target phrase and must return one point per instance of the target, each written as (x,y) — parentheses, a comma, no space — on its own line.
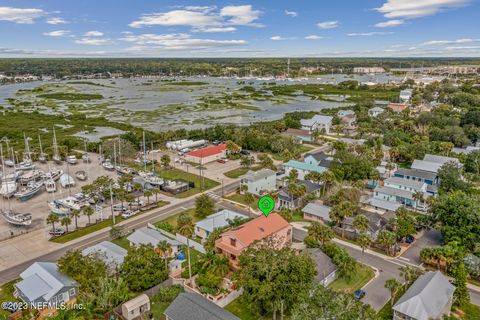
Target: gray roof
(109,252)
(43,280)
(316,119)
(218,220)
(383,204)
(258,175)
(146,235)
(417,173)
(427,297)
(376,109)
(324,264)
(439,159)
(426,165)
(318,210)
(188,306)
(394,191)
(405,182)
(319,156)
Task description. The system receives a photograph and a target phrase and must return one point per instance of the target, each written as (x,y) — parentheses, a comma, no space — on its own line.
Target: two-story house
(259,182)
(403,191)
(320,123)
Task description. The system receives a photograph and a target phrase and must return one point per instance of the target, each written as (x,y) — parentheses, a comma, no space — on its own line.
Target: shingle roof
(383,204)
(42,279)
(416,173)
(258,175)
(316,119)
(218,220)
(188,306)
(304,166)
(394,191)
(318,210)
(110,252)
(146,235)
(427,297)
(405,182)
(426,165)
(439,159)
(324,264)
(319,156)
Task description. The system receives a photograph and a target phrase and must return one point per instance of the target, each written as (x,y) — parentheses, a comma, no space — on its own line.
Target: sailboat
(29,191)
(42,157)
(81,175)
(53,174)
(67,181)
(56,155)
(27,163)
(18,219)
(10,161)
(72,159)
(50,185)
(9,182)
(58,208)
(32,175)
(85,153)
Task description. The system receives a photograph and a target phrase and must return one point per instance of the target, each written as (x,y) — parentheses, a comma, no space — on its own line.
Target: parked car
(221,161)
(409,239)
(137,203)
(359,294)
(129,214)
(120,207)
(244,153)
(56,232)
(217,142)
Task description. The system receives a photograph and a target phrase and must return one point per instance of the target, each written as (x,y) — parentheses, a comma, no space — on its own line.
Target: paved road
(376,294)
(430,238)
(13,273)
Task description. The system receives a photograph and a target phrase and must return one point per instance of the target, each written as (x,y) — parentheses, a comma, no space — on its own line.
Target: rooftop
(324,264)
(146,235)
(426,165)
(107,250)
(297,132)
(218,220)
(318,209)
(405,182)
(439,159)
(258,175)
(304,166)
(416,173)
(207,152)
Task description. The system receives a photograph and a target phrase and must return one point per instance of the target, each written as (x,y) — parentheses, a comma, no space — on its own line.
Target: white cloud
(327,24)
(177,18)
(241,15)
(20,15)
(292,14)
(214,29)
(443,42)
(368,34)
(408,9)
(56,21)
(93,33)
(94,41)
(313,37)
(177,41)
(278,38)
(57,33)
(454,48)
(390,23)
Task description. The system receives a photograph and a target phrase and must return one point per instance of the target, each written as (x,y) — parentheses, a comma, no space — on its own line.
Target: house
(232,242)
(431,163)
(376,224)
(345,113)
(317,211)
(466,150)
(349,122)
(189,305)
(136,307)
(44,285)
(427,177)
(220,219)
(301,135)
(318,122)
(397,107)
(319,159)
(430,297)
(375,112)
(326,269)
(302,168)
(146,235)
(259,182)
(290,201)
(402,191)
(207,155)
(406,95)
(109,252)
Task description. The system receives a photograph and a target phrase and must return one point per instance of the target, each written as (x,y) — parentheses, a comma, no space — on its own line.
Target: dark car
(56,232)
(359,294)
(244,153)
(409,239)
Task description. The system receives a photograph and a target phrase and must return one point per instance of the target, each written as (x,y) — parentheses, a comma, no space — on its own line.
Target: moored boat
(72,159)
(50,185)
(107,165)
(67,181)
(81,175)
(18,219)
(53,174)
(33,175)
(57,208)
(29,191)
(8,188)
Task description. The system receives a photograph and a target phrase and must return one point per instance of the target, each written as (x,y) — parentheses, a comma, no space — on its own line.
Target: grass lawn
(95,227)
(386,312)
(173,219)
(6,295)
(240,198)
(468,312)
(122,242)
(235,173)
(242,310)
(297,216)
(176,174)
(157,309)
(358,280)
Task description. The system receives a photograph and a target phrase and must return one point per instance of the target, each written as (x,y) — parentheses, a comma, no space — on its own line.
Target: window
(233,257)
(72,291)
(233,242)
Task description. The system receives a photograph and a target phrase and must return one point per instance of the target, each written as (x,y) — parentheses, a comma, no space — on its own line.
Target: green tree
(165,161)
(450,175)
(361,223)
(88,211)
(52,219)
(249,200)
(320,232)
(393,285)
(147,194)
(75,214)
(364,241)
(66,221)
(387,239)
(339,212)
(185,227)
(204,206)
(266,161)
(155,191)
(410,274)
(164,249)
(110,293)
(142,268)
(472,162)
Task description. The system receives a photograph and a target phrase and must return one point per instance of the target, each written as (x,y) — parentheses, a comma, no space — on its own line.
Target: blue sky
(154,28)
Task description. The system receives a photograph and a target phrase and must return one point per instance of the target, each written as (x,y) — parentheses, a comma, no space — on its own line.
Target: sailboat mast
(40,143)
(144,153)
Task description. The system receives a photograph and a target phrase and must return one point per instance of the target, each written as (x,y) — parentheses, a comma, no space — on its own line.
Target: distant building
(375,112)
(207,155)
(397,107)
(430,297)
(189,306)
(376,223)
(368,70)
(290,201)
(153,237)
(406,95)
(398,190)
(259,182)
(318,122)
(109,252)
(317,211)
(301,135)
(233,242)
(221,219)
(42,282)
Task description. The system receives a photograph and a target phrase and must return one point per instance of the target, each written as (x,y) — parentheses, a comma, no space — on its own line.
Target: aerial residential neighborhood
(305,160)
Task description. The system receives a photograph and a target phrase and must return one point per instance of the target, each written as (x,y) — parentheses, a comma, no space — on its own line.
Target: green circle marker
(266,204)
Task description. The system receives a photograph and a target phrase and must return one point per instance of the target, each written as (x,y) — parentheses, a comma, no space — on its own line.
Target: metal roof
(318,210)
(218,220)
(146,235)
(107,251)
(258,175)
(304,166)
(405,182)
(416,173)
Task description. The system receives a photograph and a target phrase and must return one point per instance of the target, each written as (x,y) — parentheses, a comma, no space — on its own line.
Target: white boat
(154,180)
(33,175)
(107,165)
(56,155)
(53,174)
(11,176)
(58,208)
(72,159)
(81,175)
(67,181)
(18,219)
(70,203)
(9,163)
(50,185)
(25,165)
(42,157)
(29,191)
(85,157)
(8,189)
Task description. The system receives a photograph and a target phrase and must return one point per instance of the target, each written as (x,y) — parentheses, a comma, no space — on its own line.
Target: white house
(318,122)
(375,112)
(406,95)
(153,237)
(259,182)
(401,191)
(109,252)
(221,219)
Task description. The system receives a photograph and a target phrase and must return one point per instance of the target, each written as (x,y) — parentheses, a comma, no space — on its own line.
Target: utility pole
(111,205)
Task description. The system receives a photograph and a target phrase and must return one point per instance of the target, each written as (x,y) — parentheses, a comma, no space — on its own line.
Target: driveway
(430,238)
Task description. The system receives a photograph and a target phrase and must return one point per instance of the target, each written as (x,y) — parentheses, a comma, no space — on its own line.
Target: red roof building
(397,107)
(207,155)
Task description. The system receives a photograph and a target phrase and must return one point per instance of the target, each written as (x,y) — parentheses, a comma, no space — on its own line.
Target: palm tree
(75,214)
(328,178)
(339,212)
(393,285)
(148,194)
(185,228)
(417,196)
(66,221)
(320,232)
(155,191)
(409,274)
(232,147)
(88,211)
(137,187)
(364,241)
(293,176)
(387,239)
(52,218)
(296,191)
(164,250)
(361,223)
(249,200)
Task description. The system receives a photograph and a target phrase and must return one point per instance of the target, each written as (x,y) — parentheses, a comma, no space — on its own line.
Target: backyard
(357,281)
(176,174)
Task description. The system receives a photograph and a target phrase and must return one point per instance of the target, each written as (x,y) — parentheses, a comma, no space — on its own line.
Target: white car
(119,207)
(129,214)
(137,203)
